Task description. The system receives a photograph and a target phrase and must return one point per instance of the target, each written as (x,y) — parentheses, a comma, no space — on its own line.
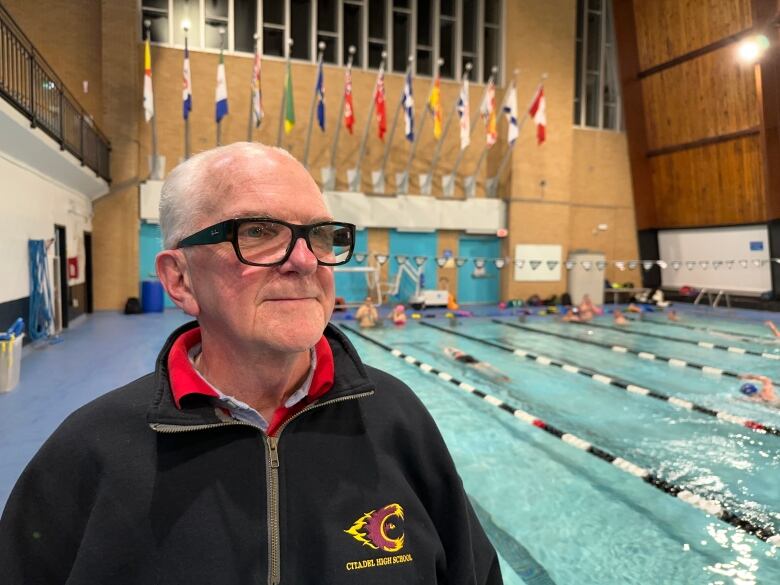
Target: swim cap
(748,389)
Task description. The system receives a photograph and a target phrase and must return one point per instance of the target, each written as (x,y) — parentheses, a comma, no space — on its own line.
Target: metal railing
(30,85)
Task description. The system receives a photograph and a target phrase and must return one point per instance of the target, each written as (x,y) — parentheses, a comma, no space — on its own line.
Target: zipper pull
(273,451)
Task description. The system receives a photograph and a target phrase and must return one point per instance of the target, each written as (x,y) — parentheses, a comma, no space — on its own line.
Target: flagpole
(329,173)
(405,175)
(321,47)
(398,107)
(185,25)
(507,154)
(153,170)
(474,120)
(221,48)
(426,187)
(486,148)
(249,134)
(354,184)
(284,96)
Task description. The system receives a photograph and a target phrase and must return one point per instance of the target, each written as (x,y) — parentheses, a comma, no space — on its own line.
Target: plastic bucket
(152,296)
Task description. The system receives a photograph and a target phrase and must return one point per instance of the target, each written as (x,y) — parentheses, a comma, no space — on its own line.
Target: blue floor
(99,353)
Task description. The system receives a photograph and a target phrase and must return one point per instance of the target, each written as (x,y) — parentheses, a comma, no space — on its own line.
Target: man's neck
(262,379)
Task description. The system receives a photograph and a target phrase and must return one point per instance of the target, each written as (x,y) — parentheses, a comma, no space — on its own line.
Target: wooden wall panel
(669,28)
(708,96)
(712,185)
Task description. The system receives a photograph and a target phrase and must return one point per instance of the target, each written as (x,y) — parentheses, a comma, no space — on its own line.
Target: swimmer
(588,309)
(481,367)
(766,393)
(571,315)
(632,308)
(672,315)
(398,316)
(367,315)
(772,328)
(619,317)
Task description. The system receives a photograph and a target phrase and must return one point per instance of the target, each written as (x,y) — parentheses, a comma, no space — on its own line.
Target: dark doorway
(88,270)
(61,244)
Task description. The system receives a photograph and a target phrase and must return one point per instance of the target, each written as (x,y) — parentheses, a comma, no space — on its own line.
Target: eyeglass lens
(266,242)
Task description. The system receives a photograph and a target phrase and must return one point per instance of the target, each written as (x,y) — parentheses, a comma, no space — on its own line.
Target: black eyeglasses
(268,242)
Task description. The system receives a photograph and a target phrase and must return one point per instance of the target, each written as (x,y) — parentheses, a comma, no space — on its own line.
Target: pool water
(560,515)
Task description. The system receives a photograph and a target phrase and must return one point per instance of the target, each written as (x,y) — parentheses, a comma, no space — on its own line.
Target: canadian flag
(379,102)
(538,112)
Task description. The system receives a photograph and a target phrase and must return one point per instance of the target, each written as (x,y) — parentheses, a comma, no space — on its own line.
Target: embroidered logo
(379,530)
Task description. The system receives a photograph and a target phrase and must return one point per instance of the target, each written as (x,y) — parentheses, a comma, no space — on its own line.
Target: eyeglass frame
(227,231)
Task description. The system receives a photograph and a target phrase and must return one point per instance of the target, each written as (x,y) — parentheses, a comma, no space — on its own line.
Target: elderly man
(261,450)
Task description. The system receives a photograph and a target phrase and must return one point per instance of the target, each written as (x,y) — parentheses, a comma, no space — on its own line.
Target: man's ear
(173,272)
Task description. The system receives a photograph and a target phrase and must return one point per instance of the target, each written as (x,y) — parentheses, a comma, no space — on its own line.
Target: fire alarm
(502,232)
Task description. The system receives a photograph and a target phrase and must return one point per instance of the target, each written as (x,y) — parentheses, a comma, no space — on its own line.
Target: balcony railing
(31,86)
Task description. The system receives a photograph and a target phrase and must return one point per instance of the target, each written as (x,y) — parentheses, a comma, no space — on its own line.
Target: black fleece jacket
(358,488)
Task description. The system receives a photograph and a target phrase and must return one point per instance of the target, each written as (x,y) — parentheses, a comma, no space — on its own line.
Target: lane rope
(645,355)
(709,506)
(704,344)
(740,336)
(617,382)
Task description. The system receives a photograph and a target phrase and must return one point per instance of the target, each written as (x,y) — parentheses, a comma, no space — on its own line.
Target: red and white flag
(538,111)
(349,110)
(379,104)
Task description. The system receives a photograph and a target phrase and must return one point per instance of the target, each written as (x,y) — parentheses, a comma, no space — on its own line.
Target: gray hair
(184,192)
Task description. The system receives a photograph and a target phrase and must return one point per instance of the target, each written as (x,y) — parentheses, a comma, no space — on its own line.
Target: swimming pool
(560,515)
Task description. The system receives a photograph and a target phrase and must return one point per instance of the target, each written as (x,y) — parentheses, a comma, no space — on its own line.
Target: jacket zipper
(271,474)
(272,478)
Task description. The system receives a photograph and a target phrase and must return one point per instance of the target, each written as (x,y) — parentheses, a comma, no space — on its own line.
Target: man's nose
(301,259)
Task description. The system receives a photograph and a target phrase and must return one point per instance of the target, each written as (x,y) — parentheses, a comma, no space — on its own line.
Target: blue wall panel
(352,286)
(478,290)
(150,243)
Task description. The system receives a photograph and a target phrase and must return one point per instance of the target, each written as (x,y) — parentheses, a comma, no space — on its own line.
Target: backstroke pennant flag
(408,108)
(488,111)
(349,111)
(320,89)
(148,95)
(221,92)
(538,112)
(464,114)
(257,92)
(379,103)
(186,93)
(289,104)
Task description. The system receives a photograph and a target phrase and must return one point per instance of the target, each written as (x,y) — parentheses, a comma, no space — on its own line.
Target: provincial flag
(464,114)
(320,90)
(257,92)
(289,103)
(349,111)
(186,92)
(379,104)
(488,111)
(538,112)
(220,95)
(510,111)
(408,105)
(148,95)
(434,105)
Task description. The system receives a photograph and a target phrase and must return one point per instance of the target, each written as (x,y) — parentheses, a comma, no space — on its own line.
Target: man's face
(279,308)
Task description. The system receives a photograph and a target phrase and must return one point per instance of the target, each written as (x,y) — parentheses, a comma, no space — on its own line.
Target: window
(327,28)
(156,12)
(377,31)
(353,27)
(596,91)
(456,31)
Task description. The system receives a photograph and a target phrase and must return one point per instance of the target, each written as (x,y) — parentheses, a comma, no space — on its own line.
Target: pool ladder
(714,303)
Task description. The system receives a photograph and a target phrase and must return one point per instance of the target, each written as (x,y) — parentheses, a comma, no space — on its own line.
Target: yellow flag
(434,104)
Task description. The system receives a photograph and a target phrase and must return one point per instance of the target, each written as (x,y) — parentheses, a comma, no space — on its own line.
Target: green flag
(289,104)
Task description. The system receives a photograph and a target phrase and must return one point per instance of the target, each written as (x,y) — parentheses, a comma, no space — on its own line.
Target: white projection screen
(742,244)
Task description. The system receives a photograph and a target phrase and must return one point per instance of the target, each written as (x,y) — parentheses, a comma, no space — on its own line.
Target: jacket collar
(349,378)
